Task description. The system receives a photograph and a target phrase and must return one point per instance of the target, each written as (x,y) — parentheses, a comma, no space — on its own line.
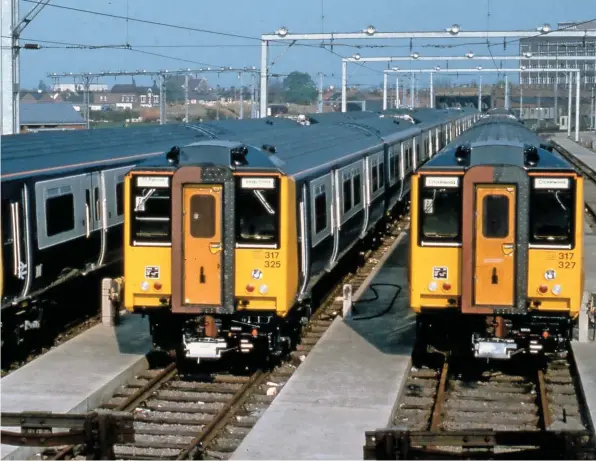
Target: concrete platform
(585,357)
(585,352)
(78,375)
(585,155)
(347,385)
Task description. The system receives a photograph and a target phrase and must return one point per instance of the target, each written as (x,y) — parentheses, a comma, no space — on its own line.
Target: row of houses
(128,95)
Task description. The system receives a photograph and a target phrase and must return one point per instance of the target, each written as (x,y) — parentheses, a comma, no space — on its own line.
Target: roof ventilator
(269,148)
(531,156)
(173,155)
(462,154)
(547,146)
(239,156)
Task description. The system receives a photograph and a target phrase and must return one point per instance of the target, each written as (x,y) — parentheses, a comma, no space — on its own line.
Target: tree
(42,86)
(174,91)
(299,88)
(275,91)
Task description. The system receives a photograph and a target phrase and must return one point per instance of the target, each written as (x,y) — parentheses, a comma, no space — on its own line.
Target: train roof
(287,150)
(428,116)
(295,149)
(498,141)
(34,154)
(45,153)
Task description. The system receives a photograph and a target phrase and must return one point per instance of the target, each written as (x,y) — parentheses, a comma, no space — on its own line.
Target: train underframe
(494,337)
(261,335)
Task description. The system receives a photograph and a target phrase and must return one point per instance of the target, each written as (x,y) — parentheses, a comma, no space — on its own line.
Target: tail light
(446,286)
(543,289)
(250,288)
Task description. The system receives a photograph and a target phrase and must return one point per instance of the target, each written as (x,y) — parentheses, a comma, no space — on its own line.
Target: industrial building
(564,47)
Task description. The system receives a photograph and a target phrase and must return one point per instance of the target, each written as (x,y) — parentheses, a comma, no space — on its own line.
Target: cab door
(494,245)
(202,245)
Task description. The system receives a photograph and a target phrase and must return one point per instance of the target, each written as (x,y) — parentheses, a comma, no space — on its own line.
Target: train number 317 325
(272,259)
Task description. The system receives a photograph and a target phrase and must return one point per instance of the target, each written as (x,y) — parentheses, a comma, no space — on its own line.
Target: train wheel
(183,364)
(419,353)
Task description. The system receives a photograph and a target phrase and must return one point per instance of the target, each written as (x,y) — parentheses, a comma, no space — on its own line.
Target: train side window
(320,211)
(347,191)
(495,216)
(375,174)
(60,214)
(120,198)
(357,189)
(392,163)
(97,203)
(381,175)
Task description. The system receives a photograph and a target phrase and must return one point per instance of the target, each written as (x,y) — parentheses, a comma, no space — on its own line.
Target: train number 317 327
(565,261)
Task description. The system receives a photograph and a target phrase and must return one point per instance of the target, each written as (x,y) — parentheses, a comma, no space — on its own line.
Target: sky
(184,48)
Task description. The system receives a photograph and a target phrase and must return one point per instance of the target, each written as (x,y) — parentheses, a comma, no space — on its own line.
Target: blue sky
(252,18)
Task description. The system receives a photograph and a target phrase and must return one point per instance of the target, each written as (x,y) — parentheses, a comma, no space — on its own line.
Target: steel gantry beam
(162,75)
(415,57)
(283,34)
(577,73)
(10,75)
(467,57)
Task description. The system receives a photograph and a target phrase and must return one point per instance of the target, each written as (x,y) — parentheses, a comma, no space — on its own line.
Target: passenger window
(320,212)
(120,198)
(97,203)
(495,216)
(347,192)
(375,174)
(59,214)
(357,189)
(202,216)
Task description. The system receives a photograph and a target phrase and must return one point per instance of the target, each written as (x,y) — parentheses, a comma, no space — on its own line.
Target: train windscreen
(150,210)
(257,212)
(440,209)
(551,211)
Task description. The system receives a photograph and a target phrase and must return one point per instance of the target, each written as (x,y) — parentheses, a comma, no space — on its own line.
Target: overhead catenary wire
(246,37)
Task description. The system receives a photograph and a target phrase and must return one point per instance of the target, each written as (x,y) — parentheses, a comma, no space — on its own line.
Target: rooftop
(49,113)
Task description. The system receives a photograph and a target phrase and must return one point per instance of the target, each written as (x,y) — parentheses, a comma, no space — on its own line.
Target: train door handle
(202,275)
(87,219)
(494,277)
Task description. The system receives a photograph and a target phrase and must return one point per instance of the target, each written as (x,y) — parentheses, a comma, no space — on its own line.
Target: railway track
(207,415)
(462,409)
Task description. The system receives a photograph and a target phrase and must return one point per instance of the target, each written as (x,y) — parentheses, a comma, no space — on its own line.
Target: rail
(461,410)
(207,415)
